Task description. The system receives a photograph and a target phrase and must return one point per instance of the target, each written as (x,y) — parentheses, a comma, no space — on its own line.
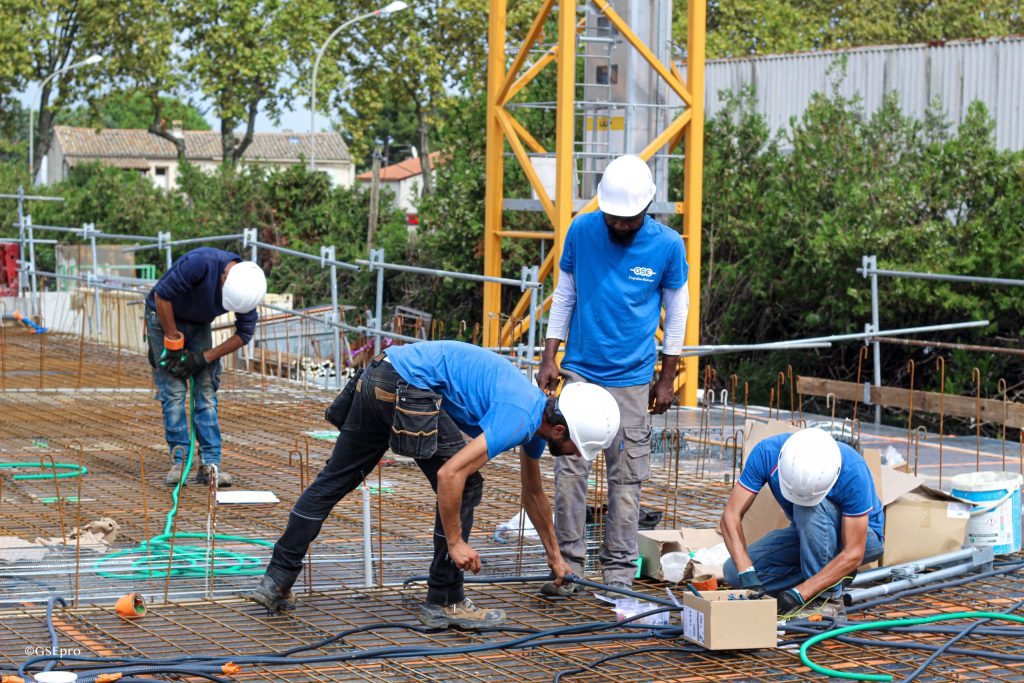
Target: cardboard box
(717,622)
(923,523)
(764,514)
(655,543)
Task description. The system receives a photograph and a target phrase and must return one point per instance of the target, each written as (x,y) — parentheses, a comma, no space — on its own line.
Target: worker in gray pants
(619,267)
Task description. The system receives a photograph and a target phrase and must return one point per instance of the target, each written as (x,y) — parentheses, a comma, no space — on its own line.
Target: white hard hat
(626,188)
(244,287)
(809,465)
(592,416)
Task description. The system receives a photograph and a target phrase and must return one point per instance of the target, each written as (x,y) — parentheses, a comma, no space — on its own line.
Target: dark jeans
(361,443)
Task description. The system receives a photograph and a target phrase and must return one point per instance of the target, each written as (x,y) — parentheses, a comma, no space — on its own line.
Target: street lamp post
(92,59)
(384,11)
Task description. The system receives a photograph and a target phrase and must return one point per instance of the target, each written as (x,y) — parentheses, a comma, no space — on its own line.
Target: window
(602,76)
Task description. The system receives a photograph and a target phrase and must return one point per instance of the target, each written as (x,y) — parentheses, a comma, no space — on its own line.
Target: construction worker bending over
(826,491)
(416,399)
(201,285)
(618,267)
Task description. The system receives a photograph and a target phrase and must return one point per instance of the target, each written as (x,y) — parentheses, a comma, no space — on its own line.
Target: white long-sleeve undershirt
(675,301)
(562,303)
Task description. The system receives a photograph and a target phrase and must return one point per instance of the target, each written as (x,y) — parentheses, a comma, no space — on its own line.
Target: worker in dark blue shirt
(201,285)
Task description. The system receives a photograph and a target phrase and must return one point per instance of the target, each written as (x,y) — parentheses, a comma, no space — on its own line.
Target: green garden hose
(874,625)
(44,475)
(154,555)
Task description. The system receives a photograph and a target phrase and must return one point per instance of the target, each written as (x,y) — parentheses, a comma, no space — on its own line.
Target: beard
(623,239)
(555,448)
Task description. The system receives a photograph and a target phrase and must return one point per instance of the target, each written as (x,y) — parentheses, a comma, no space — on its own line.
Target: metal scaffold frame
(504,84)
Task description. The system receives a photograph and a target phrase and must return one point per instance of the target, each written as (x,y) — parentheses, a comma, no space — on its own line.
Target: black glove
(789,601)
(751,581)
(187,363)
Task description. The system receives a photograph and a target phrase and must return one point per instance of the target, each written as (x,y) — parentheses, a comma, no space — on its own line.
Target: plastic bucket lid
(55,677)
(987,481)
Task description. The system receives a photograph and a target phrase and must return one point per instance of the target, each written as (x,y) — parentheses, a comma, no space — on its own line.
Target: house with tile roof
(405,179)
(157,158)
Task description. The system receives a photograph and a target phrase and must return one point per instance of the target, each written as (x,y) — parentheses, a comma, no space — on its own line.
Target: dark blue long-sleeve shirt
(192,285)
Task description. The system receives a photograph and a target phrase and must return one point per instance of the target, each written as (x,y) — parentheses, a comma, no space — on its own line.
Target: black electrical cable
(952,641)
(904,645)
(582,633)
(619,655)
(54,642)
(200,666)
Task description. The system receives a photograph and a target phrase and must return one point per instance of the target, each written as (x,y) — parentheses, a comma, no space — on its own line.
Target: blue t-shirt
(481,391)
(192,285)
(618,298)
(853,493)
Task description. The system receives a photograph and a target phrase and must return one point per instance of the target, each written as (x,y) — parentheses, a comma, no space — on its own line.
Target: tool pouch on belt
(414,428)
(337,412)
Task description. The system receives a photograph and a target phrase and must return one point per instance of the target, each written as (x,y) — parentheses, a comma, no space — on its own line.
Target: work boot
(464,615)
(822,608)
(613,594)
(272,596)
(832,608)
(173,476)
(566,590)
(206,471)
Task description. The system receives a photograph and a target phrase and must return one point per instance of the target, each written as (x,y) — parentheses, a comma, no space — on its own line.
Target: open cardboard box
(922,523)
(726,620)
(655,543)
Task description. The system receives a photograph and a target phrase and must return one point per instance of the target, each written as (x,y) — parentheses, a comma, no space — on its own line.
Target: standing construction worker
(198,287)
(619,267)
(826,491)
(418,399)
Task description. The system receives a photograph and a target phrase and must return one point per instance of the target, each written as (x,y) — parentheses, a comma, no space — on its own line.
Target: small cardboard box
(655,543)
(923,523)
(717,622)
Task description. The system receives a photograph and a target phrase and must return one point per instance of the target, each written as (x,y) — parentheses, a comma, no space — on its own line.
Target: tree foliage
(749,27)
(787,220)
(243,56)
(133,110)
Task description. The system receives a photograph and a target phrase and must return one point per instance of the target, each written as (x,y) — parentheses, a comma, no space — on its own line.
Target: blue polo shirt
(853,493)
(481,391)
(618,298)
(192,285)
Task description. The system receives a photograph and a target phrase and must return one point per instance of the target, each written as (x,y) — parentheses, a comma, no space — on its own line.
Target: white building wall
(955,74)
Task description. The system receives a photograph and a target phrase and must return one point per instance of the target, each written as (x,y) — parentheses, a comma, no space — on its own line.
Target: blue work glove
(789,601)
(186,363)
(751,581)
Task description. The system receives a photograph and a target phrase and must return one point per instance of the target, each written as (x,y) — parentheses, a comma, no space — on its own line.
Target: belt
(381,358)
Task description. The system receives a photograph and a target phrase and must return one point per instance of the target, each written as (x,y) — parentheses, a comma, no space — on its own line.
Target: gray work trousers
(628,463)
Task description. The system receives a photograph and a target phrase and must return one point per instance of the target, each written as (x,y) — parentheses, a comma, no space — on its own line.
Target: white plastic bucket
(55,677)
(996,519)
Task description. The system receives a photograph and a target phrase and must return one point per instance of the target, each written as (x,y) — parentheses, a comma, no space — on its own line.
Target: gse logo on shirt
(642,273)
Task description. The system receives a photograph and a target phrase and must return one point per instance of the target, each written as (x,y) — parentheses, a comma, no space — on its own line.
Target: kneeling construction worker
(826,491)
(419,399)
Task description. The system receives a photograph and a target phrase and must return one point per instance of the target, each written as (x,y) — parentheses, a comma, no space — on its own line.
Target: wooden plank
(992,410)
(819,386)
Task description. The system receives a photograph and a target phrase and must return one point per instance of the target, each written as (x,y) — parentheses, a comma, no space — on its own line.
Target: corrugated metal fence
(955,73)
